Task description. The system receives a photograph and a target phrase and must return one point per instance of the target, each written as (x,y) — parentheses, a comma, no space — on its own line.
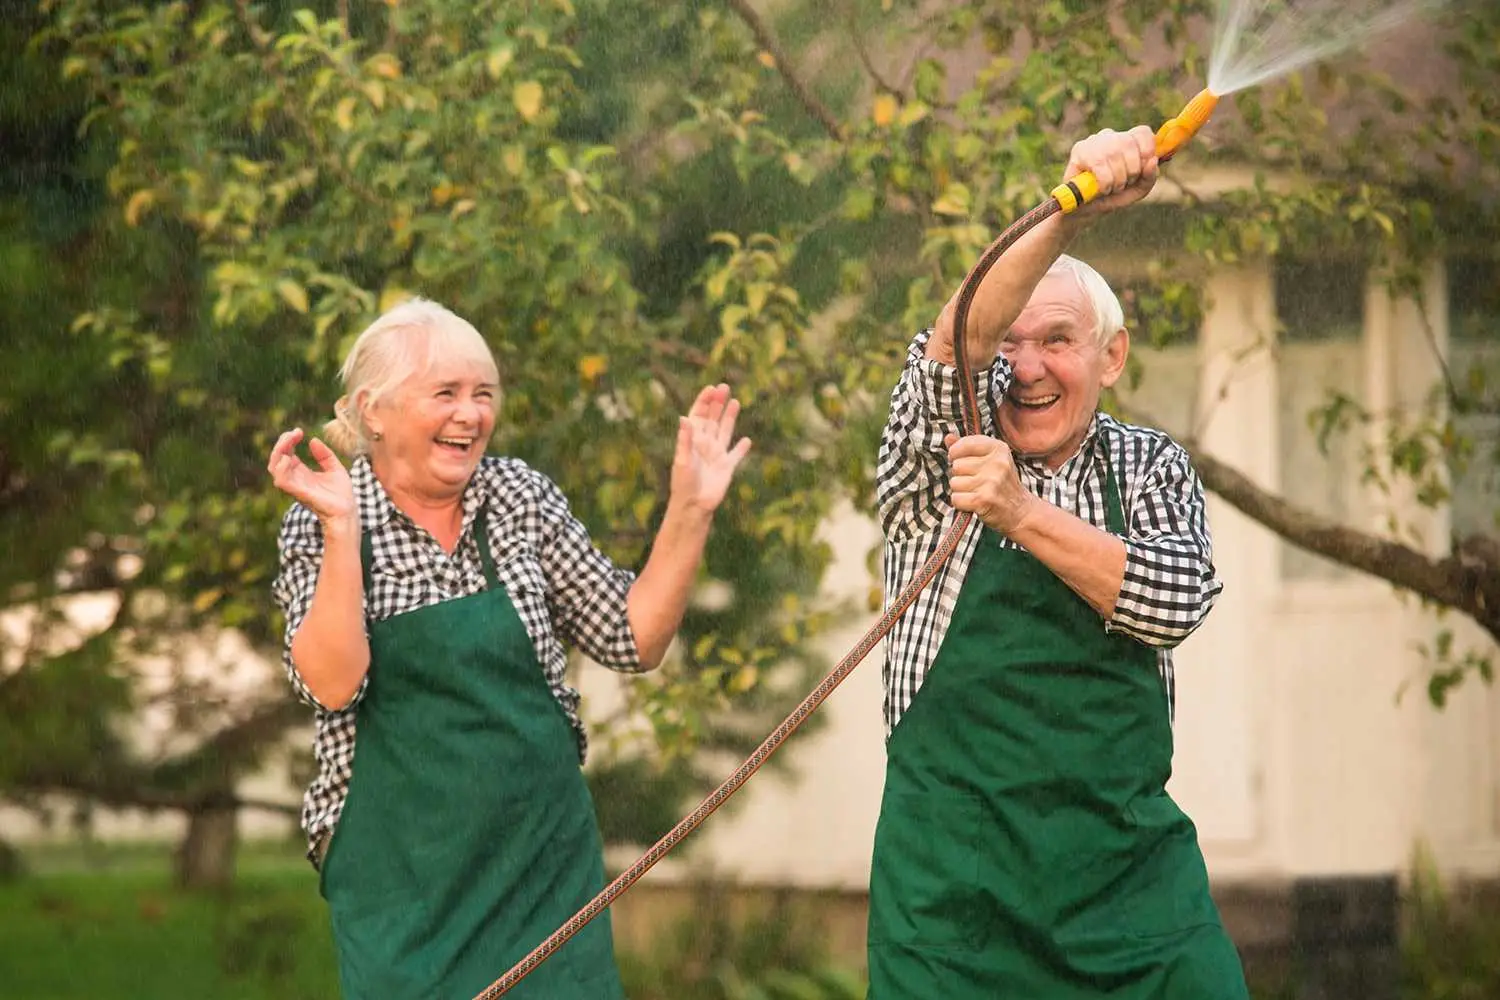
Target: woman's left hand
(704,463)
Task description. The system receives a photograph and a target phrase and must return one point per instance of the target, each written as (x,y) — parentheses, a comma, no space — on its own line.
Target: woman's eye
(445,394)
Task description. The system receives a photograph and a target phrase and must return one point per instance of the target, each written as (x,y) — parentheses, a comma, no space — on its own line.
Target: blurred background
(202,203)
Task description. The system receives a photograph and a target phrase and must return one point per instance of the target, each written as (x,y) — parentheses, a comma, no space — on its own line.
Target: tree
(631,199)
(1400,177)
(279,175)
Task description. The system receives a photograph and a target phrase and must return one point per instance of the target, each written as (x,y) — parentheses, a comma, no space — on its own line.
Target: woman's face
(435,428)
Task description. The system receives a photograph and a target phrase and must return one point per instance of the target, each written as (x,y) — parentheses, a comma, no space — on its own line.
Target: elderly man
(1027,848)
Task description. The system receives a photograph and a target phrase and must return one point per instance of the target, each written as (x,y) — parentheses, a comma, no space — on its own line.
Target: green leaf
(293,294)
(730,319)
(528,99)
(498,60)
(953,201)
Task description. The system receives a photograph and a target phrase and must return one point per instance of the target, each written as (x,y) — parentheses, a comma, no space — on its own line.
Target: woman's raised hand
(326,490)
(704,463)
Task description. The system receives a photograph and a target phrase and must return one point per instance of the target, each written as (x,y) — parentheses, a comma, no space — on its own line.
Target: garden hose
(1065,198)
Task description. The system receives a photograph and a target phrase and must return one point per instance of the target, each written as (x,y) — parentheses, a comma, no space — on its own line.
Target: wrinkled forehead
(437,356)
(1059,303)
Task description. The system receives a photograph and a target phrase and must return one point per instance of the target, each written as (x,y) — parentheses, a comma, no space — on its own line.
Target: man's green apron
(1027,848)
(468,834)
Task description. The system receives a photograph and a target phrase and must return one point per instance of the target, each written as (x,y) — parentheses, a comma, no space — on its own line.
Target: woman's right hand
(327,490)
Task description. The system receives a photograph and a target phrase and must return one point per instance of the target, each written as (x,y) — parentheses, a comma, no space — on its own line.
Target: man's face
(1060,369)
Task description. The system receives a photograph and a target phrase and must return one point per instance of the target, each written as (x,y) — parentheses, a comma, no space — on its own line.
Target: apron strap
(481,539)
(366,560)
(1114,511)
(486,557)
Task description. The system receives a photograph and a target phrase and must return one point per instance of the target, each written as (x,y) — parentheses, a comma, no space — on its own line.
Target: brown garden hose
(845,667)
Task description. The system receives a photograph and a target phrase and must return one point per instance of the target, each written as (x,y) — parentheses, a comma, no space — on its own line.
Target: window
(1474,367)
(1320,357)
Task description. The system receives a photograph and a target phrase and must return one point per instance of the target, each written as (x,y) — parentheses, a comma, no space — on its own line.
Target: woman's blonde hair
(398,346)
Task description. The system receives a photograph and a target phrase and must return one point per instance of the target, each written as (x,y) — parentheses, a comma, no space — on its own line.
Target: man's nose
(1026,363)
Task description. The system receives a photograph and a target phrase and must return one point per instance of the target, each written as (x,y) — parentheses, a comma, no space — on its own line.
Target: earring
(376,436)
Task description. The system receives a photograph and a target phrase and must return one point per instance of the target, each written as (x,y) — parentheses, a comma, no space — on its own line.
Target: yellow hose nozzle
(1081,190)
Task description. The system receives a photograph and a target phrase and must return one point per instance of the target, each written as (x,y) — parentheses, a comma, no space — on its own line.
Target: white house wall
(1294,755)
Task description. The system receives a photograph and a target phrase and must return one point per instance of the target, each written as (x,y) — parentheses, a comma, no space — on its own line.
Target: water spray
(1230,70)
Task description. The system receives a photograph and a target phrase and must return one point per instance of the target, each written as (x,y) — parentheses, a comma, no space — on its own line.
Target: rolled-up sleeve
(1170,584)
(586,591)
(300,545)
(911,484)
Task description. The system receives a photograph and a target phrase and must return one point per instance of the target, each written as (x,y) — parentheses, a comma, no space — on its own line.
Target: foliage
(284,173)
(630,200)
(1451,945)
(777,953)
(134,935)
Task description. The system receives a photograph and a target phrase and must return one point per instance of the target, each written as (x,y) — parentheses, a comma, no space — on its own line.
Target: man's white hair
(400,345)
(1109,317)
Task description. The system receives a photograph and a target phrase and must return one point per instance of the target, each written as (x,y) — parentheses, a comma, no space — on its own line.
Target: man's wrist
(1018,516)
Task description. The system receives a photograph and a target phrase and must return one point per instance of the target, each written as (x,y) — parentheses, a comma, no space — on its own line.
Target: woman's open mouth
(456,446)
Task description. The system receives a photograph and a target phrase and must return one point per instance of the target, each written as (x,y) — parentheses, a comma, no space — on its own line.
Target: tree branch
(229,750)
(863,51)
(767,41)
(1467,581)
(127,795)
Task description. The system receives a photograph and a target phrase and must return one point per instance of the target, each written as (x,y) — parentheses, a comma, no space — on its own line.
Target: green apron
(1027,848)
(468,834)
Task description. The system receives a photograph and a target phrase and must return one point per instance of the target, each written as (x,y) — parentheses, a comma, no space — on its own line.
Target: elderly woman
(428,592)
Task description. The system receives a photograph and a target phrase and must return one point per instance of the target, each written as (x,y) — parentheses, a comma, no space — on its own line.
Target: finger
(738,453)
(1145,142)
(726,421)
(282,463)
(721,402)
(966,501)
(701,405)
(285,443)
(1119,168)
(968,466)
(949,439)
(684,437)
(973,445)
(1095,153)
(282,472)
(325,456)
(1130,157)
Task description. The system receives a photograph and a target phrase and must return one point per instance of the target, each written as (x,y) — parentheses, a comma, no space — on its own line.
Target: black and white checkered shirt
(564,590)
(1169,583)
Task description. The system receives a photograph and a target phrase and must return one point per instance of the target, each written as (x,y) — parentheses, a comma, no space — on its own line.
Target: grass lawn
(113,925)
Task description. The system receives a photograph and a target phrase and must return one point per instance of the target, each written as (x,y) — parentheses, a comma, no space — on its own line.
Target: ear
(1114,353)
(369,414)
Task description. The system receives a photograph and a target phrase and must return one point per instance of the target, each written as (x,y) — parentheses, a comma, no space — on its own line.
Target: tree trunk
(205,858)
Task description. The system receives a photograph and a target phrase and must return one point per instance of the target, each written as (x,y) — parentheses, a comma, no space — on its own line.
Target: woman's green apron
(1027,848)
(468,834)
